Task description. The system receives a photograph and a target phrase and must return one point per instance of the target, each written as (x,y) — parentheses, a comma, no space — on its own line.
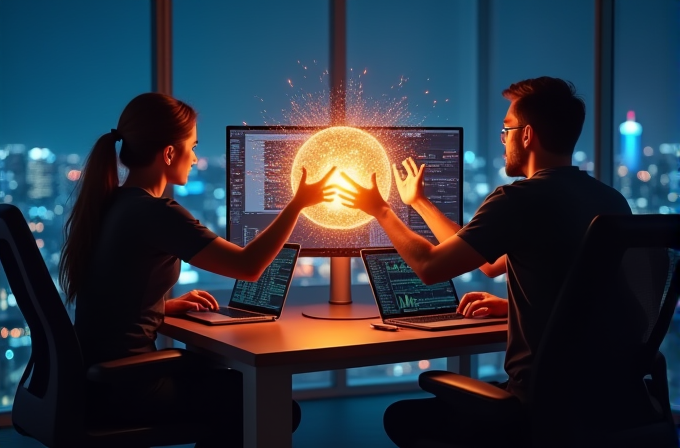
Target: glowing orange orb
(353,151)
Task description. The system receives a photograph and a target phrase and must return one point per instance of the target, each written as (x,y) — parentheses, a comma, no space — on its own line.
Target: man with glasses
(529,230)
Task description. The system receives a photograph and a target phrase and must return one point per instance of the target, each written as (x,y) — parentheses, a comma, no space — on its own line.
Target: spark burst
(312,107)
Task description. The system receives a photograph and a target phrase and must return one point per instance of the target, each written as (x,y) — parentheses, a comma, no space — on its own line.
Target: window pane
(401,372)
(532,38)
(237,71)
(508,51)
(313,380)
(392,81)
(448,65)
(249,63)
(646,114)
(67,74)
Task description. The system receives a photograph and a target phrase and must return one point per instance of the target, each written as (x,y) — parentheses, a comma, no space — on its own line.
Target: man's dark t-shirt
(539,223)
(135,262)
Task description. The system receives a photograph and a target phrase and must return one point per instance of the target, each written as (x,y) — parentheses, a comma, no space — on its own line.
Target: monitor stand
(340,306)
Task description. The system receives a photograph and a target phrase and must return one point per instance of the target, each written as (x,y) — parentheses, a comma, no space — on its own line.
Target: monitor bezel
(336,251)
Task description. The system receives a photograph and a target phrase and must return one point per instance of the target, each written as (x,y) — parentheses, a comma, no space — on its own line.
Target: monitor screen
(264,165)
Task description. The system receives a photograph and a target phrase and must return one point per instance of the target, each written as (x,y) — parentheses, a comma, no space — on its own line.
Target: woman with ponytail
(122,252)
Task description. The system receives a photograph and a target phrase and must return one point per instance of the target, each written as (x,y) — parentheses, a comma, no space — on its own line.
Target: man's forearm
(432,263)
(414,248)
(442,227)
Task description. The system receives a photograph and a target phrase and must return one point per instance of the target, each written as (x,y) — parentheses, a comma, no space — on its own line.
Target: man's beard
(515,160)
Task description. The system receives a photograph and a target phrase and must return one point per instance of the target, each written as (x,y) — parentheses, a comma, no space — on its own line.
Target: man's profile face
(515,154)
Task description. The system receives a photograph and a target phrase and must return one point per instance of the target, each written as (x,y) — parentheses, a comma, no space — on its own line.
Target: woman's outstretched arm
(247,263)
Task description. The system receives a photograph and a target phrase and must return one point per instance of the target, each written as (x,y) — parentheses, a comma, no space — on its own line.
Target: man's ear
(527,135)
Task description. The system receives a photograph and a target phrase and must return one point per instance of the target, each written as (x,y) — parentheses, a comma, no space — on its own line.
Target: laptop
(258,301)
(405,301)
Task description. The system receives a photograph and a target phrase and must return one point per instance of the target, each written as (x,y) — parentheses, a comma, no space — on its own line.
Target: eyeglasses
(504,131)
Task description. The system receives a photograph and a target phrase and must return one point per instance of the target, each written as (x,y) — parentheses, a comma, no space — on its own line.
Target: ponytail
(95,188)
(149,123)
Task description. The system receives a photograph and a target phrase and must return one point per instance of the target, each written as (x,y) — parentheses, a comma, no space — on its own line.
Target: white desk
(268,354)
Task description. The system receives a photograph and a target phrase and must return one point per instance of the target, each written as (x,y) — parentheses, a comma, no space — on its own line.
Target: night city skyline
(69,69)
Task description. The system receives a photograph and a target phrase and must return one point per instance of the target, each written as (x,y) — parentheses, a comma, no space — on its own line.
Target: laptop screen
(398,290)
(268,293)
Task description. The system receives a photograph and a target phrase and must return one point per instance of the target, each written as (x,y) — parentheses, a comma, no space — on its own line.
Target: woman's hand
(368,200)
(195,300)
(315,193)
(411,187)
(482,304)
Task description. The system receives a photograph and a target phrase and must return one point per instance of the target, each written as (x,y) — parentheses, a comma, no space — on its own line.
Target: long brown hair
(149,123)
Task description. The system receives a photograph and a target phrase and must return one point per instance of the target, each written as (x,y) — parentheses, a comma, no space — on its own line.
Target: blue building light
(193,187)
(631,148)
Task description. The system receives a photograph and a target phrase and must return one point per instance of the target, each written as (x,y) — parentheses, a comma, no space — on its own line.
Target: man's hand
(195,300)
(411,187)
(367,200)
(482,304)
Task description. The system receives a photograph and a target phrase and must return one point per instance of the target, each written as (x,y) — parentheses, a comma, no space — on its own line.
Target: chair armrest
(468,394)
(156,364)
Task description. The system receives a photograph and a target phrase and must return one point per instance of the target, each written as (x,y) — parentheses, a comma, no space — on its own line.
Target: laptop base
(212,318)
(454,324)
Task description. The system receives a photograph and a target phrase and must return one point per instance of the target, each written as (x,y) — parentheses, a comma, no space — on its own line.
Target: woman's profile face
(183,159)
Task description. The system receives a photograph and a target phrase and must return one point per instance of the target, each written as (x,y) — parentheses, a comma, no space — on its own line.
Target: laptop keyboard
(426,319)
(236,314)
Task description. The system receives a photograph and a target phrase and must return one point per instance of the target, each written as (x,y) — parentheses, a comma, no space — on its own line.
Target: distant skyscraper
(40,174)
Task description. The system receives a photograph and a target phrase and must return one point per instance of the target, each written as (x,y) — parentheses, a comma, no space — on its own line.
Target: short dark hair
(552,108)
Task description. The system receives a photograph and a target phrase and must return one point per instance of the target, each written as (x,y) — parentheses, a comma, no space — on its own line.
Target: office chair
(598,377)
(50,402)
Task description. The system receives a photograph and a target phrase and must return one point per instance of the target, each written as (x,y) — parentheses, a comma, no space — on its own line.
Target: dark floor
(328,423)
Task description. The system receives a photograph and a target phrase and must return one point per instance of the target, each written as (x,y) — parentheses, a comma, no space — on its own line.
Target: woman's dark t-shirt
(135,262)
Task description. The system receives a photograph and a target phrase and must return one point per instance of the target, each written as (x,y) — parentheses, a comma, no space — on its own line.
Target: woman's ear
(168,153)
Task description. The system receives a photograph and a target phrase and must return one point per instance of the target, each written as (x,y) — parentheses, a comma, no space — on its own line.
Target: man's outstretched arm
(431,263)
(411,193)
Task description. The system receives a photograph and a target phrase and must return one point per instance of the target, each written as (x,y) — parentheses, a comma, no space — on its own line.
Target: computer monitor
(262,165)
(259,164)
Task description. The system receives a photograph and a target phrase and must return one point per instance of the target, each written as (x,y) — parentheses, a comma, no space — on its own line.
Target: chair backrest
(48,403)
(591,372)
